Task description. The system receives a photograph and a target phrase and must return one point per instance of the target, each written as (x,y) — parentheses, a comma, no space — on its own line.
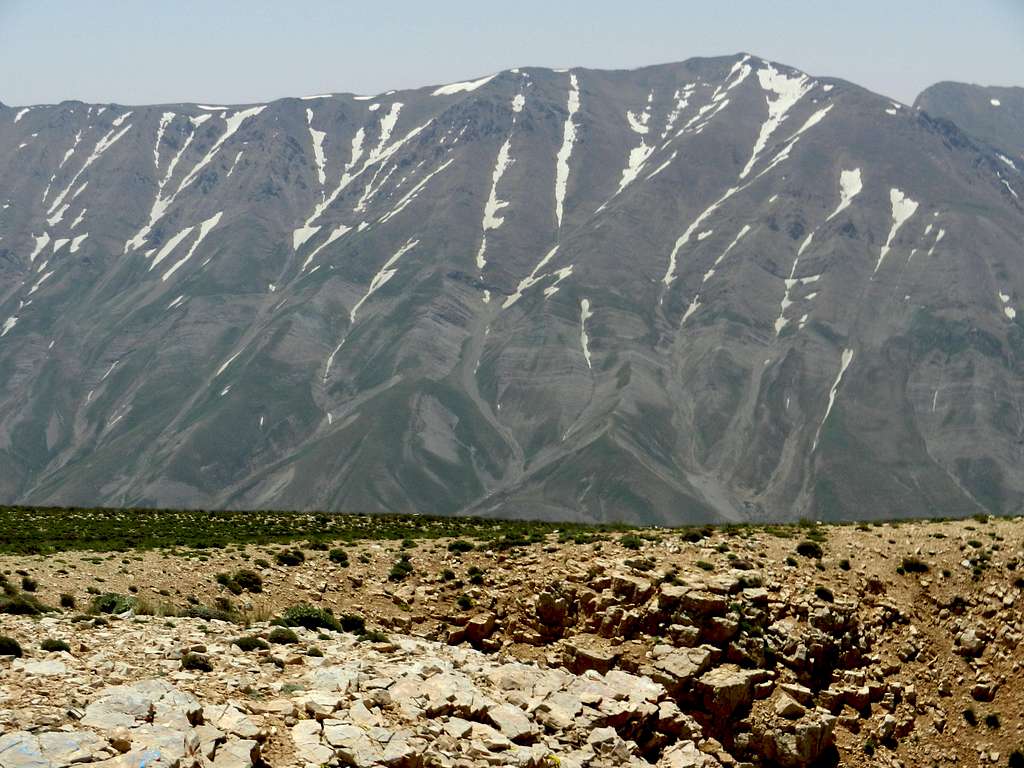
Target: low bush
(196,662)
(310,617)
(631,541)
(290,557)
(52,645)
(913,564)
(401,569)
(250,643)
(338,556)
(249,580)
(282,636)
(10,647)
(111,602)
(808,548)
(351,622)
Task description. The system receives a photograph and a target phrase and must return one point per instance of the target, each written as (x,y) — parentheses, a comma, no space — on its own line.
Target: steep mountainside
(993,114)
(715,289)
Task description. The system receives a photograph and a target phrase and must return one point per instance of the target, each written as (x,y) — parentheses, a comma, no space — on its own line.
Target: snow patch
(464,87)
(844,364)
(565,151)
(850,186)
(382,277)
(318,148)
(41,242)
(585,314)
(493,207)
(204,230)
(902,209)
(169,246)
(788,91)
(335,234)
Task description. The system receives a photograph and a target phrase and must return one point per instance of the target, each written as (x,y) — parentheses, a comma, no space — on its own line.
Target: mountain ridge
(391,316)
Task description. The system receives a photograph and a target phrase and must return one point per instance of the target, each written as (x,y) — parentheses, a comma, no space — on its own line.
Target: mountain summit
(718,289)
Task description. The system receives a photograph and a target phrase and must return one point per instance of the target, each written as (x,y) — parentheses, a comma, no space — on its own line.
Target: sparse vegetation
(290,557)
(401,569)
(195,662)
(914,564)
(51,645)
(250,643)
(310,617)
(808,548)
(111,602)
(338,556)
(10,647)
(282,636)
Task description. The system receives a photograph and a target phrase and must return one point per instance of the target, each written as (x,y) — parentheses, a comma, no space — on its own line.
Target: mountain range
(721,289)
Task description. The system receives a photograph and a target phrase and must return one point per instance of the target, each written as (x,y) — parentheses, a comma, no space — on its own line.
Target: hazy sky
(150,51)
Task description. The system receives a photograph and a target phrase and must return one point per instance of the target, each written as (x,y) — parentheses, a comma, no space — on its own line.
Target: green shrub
(970,716)
(260,562)
(52,645)
(631,541)
(206,613)
(808,548)
(9,647)
(913,564)
(401,569)
(351,622)
(310,617)
(992,720)
(290,557)
(314,652)
(373,636)
(1016,759)
(249,580)
(19,604)
(824,593)
(448,574)
(339,556)
(464,602)
(225,580)
(250,643)
(29,584)
(844,564)
(282,636)
(196,662)
(67,601)
(704,565)
(460,546)
(112,602)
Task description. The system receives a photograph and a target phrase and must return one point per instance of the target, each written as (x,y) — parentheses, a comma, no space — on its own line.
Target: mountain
(718,289)
(995,115)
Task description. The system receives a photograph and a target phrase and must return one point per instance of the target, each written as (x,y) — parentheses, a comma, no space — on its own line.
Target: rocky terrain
(994,114)
(884,644)
(714,290)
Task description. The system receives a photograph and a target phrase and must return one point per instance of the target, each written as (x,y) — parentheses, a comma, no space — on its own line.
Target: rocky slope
(993,114)
(876,645)
(718,289)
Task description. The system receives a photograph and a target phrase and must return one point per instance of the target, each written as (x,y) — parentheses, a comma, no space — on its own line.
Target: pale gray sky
(135,52)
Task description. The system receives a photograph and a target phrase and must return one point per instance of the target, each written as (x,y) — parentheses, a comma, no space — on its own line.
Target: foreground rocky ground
(892,644)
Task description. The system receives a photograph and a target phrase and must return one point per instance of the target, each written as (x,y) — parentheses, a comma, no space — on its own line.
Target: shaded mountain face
(995,115)
(720,289)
